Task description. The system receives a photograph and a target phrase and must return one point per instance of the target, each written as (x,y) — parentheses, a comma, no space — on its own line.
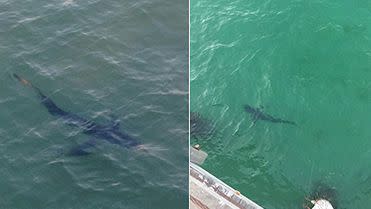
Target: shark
(258,114)
(110,133)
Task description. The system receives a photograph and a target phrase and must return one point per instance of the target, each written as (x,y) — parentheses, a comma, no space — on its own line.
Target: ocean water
(101,60)
(304,61)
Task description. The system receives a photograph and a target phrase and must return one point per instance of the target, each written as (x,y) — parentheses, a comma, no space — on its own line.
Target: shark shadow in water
(258,114)
(201,128)
(110,133)
(321,190)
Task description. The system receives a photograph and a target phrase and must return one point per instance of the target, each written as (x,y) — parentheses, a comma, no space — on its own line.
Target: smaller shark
(258,114)
(110,133)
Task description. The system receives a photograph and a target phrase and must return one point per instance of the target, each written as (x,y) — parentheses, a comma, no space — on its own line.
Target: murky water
(101,60)
(307,62)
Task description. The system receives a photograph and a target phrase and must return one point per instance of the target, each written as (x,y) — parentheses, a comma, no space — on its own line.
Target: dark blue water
(100,60)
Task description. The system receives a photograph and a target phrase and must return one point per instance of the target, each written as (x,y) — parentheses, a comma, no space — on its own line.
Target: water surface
(100,60)
(304,61)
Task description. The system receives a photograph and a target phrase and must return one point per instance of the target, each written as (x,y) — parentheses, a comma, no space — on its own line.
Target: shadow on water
(201,128)
(204,132)
(321,190)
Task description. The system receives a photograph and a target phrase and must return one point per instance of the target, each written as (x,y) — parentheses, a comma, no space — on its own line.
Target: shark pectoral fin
(254,118)
(82,149)
(22,80)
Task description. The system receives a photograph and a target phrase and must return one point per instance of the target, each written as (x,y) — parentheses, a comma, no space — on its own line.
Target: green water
(96,59)
(305,61)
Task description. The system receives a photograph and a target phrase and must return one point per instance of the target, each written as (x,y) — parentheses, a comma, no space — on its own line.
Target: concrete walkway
(208,192)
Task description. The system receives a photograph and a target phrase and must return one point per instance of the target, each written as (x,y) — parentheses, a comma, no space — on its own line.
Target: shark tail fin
(28,83)
(22,80)
(288,122)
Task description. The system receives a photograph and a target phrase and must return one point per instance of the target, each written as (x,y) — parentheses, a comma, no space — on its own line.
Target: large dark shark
(110,133)
(258,114)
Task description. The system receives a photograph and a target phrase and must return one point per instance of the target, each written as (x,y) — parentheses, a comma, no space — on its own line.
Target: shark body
(258,114)
(110,133)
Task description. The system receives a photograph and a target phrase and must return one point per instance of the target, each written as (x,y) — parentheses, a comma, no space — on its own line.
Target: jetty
(209,192)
